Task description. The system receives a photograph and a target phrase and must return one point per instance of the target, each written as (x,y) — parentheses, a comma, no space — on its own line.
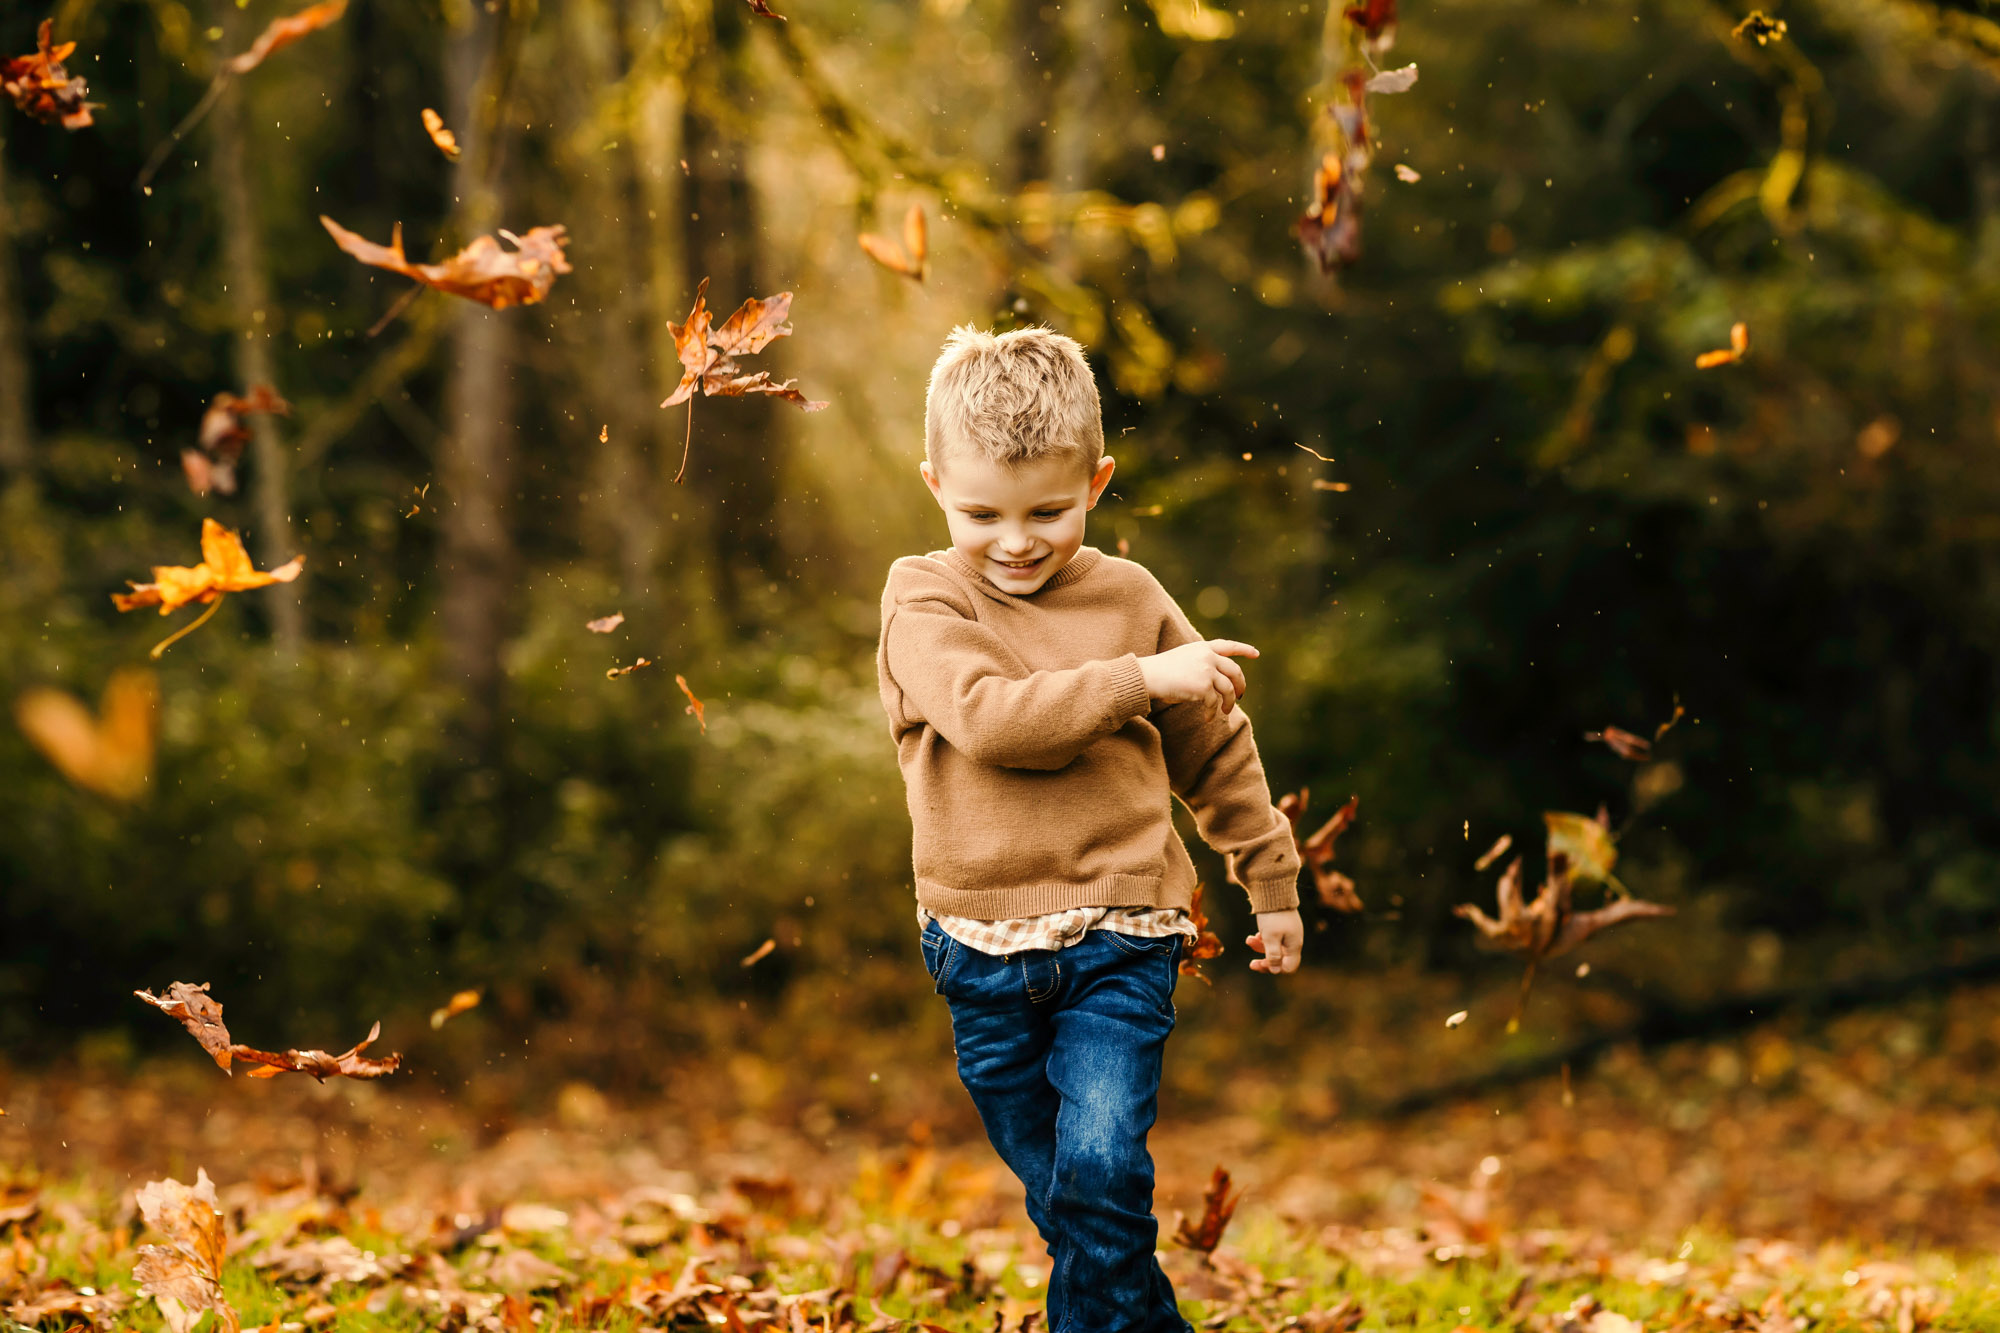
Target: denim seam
(1055,981)
(1138,947)
(948,958)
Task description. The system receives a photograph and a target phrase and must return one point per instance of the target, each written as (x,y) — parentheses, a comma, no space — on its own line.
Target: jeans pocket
(1138,945)
(940,952)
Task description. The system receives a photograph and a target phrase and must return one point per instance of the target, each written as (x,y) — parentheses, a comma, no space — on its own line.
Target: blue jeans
(1061,1051)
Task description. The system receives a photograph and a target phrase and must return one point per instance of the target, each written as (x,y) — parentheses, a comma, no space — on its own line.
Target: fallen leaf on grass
(909,258)
(1218,1205)
(211,465)
(199,1014)
(481,272)
(1739,347)
(41,87)
(446,141)
(281,33)
(615,672)
(694,705)
(761,952)
(452,1008)
(605,624)
(184,1276)
(111,754)
(62,1300)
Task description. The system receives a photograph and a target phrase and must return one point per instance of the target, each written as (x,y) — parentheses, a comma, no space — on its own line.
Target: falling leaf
(225,568)
(1376,19)
(694,705)
(1322,484)
(909,258)
(200,1015)
(1582,971)
(1623,743)
(604,433)
(1207,944)
(446,141)
(283,32)
(452,1008)
(1495,852)
(1331,227)
(184,1276)
(1408,174)
(350,1063)
(707,355)
(764,10)
(416,505)
(760,953)
(1586,844)
(615,672)
(1218,1205)
(1393,81)
(481,272)
(211,466)
(111,754)
(1336,891)
(1159,152)
(1667,726)
(1549,926)
(1878,437)
(605,624)
(1457,1018)
(1739,347)
(41,87)
(1759,26)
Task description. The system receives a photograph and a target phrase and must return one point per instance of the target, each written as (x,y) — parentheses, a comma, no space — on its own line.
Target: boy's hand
(1280,936)
(1198,672)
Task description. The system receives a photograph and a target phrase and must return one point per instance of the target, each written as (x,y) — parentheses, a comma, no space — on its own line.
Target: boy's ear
(1100,479)
(931,480)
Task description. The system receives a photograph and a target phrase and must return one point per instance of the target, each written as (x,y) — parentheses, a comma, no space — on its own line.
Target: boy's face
(1017,525)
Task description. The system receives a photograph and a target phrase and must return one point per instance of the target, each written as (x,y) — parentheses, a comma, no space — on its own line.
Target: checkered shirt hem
(1059,930)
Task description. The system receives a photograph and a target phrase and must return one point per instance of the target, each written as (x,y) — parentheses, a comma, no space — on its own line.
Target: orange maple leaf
(708,355)
(225,567)
(481,272)
(41,87)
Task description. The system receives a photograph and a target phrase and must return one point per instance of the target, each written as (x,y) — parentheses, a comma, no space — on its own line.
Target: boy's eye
(982,516)
(1046,514)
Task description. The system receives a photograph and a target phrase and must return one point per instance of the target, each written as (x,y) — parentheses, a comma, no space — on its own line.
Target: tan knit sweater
(1039,774)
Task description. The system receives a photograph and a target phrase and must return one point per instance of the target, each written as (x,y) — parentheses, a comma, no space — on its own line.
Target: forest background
(1469,495)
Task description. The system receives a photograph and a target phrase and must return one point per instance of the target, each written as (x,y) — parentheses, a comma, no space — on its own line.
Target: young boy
(1047,702)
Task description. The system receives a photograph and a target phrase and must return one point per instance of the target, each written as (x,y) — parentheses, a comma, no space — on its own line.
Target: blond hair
(1014,397)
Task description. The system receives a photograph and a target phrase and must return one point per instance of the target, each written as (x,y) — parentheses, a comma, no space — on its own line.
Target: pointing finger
(1231,648)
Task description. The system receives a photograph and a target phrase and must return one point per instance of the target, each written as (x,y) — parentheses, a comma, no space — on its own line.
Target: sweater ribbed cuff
(1274,895)
(1128,688)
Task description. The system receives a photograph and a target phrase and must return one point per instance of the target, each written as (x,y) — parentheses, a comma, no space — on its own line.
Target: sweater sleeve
(1212,765)
(956,674)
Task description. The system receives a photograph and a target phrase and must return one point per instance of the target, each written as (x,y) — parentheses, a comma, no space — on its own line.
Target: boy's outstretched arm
(957,675)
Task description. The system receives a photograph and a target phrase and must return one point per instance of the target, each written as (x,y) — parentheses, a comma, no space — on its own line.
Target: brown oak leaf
(481,272)
(184,1276)
(199,1014)
(350,1063)
(1336,891)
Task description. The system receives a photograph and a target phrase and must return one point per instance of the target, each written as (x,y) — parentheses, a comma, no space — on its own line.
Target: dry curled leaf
(199,1014)
(184,1276)
(911,257)
(605,624)
(1739,347)
(41,87)
(1336,891)
(110,754)
(708,355)
(350,1063)
(283,32)
(225,568)
(1624,744)
(1549,926)
(615,672)
(452,1008)
(211,465)
(1759,27)
(694,705)
(760,953)
(481,272)
(1218,1205)
(446,141)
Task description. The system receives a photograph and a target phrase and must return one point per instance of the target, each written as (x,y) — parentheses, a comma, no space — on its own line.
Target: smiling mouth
(1020,566)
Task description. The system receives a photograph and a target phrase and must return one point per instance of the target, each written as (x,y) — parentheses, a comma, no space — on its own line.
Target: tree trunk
(475,464)
(253,320)
(735,456)
(1037,40)
(16,409)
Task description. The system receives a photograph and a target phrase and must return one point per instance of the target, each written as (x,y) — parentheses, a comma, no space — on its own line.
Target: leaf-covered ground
(1842,1177)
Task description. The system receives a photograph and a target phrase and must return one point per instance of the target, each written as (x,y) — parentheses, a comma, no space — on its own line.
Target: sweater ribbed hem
(1129,694)
(1039,899)
(1274,895)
